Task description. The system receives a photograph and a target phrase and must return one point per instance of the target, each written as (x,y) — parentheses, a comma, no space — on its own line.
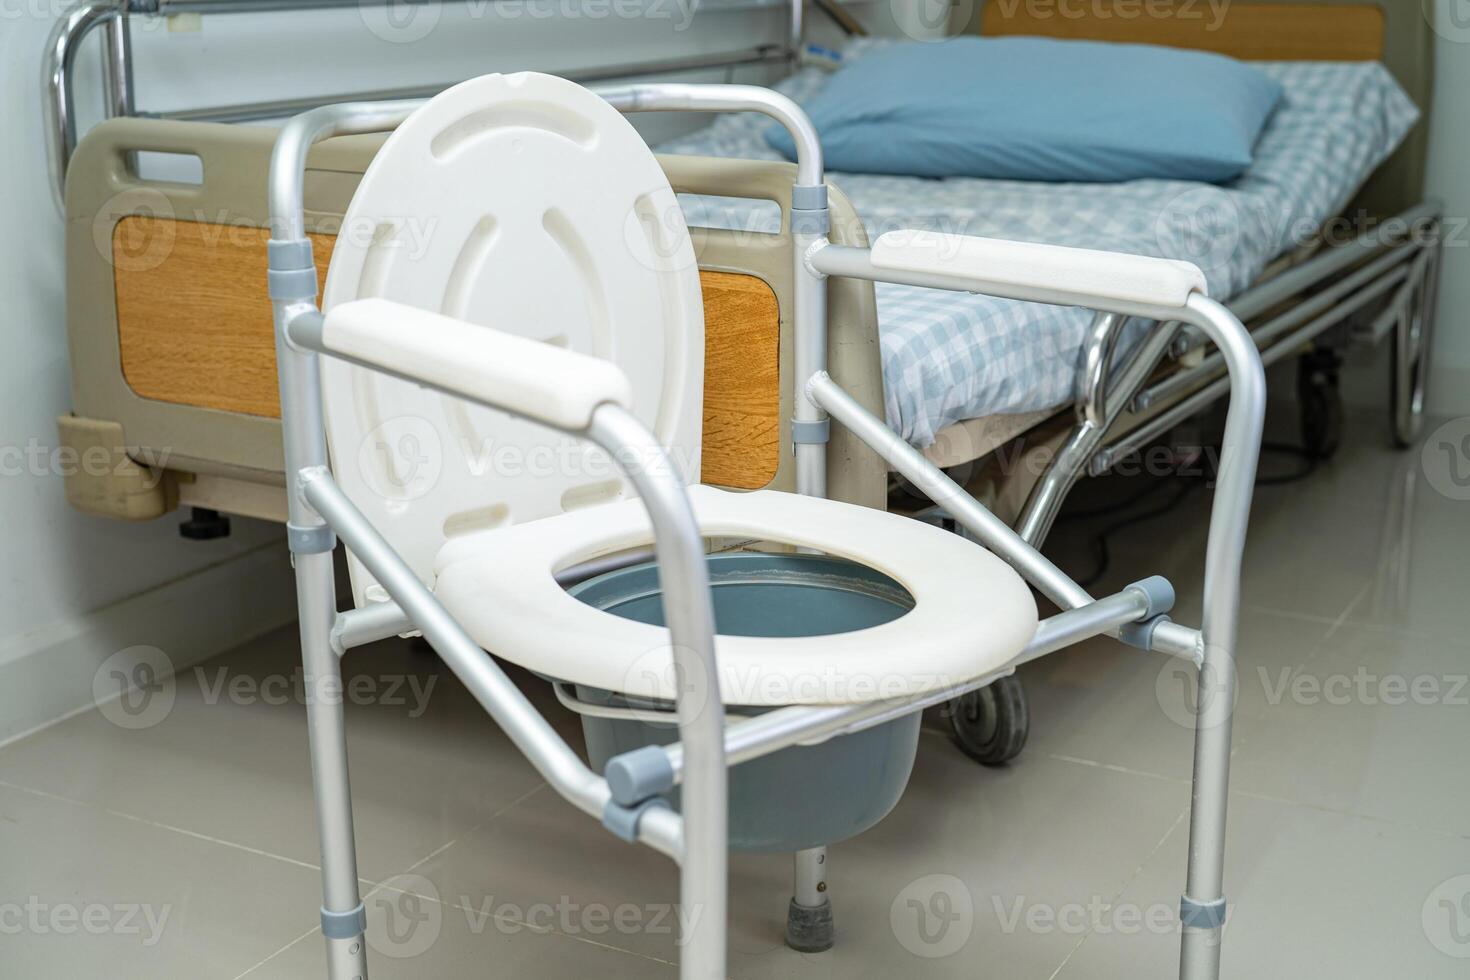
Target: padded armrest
(536,380)
(1044,273)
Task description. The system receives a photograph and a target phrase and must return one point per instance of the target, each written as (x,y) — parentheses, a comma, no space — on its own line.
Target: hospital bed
(173,364)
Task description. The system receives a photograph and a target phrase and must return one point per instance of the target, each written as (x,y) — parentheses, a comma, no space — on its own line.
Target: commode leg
(343,919)
(1202,909)
(809,917)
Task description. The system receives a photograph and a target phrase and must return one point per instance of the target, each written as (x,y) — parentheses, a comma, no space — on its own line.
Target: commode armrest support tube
(291,266)
(1229,518)
(531,733)
(995,534)
(689,612)
(288,158)
(1036,568)
(809,223)
(559,387)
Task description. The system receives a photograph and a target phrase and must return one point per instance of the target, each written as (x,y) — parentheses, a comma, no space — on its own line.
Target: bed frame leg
(343,917)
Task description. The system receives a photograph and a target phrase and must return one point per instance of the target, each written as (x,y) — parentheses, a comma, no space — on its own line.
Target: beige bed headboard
(1396,32)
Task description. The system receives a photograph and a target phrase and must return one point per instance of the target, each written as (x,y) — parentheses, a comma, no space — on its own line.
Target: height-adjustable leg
(809,917)
(1202,909)
(343,918)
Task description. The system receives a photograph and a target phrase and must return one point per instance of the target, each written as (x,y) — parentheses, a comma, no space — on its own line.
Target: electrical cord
(1184,484)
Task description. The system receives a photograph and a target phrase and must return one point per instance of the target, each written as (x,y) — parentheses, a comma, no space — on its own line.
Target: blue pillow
(1028,108)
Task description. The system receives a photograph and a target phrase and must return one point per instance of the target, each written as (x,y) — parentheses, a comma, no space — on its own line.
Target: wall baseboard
(46,675)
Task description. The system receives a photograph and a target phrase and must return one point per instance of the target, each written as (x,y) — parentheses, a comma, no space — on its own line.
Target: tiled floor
(187,849)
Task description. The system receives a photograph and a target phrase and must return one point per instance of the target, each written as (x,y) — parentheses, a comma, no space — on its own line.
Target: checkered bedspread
(950,356)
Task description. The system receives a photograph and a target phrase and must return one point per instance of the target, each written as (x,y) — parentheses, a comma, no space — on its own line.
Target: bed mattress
(949,356)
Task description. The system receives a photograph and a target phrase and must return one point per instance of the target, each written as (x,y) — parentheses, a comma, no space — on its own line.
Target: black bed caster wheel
(991,725)
(1320,401)
(1408,371)
(809,930)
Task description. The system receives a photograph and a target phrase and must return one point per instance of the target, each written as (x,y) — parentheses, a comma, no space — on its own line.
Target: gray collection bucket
(800,797)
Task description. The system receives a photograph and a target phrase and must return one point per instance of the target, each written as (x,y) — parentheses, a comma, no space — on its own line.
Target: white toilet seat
(973,613)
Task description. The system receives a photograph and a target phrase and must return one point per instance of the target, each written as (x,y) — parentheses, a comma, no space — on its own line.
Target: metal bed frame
(695,838)
(119,98)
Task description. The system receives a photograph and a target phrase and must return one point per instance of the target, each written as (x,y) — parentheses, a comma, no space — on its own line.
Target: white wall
(1449,180)
(74,589)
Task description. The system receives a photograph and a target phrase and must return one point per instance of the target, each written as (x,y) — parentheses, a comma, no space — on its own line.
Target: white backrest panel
(527,203)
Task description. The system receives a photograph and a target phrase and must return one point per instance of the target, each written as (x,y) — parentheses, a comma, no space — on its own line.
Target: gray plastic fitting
(1159,593)
(810,433)
(344,925)
(637,775)
(290,269)
(310,540)
(1202,915)
(809,197)
(623,820)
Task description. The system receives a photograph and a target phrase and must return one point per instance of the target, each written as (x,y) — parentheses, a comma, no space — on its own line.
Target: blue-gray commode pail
(800,797)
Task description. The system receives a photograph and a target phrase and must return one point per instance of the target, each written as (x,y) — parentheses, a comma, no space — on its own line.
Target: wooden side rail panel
(1248,31)
(194,328)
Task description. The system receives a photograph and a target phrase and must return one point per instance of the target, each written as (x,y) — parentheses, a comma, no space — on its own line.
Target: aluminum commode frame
(320,511)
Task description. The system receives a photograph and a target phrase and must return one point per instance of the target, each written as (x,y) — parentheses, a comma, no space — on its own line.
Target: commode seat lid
(973,613)
(526,203)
